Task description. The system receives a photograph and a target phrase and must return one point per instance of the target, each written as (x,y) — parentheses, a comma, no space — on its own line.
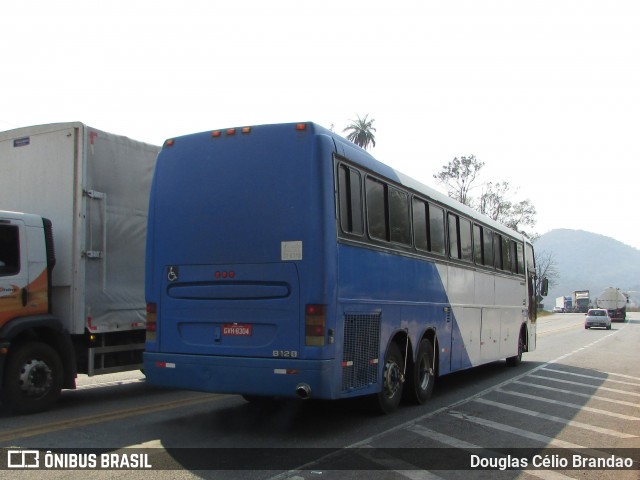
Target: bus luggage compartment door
(234,310)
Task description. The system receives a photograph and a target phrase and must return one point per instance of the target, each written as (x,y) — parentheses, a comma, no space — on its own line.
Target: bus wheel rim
(392,379)
(425,374)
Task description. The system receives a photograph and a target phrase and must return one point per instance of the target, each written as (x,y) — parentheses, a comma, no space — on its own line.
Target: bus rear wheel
(388,399)
(421,376)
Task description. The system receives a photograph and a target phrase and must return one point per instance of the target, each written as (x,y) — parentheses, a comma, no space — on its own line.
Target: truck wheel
(421,375)
(33,378)
(392,380)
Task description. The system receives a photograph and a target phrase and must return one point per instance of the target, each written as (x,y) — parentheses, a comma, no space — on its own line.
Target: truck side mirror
(544,288)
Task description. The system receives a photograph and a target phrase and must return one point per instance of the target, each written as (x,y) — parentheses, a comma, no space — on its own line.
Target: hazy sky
(545,92)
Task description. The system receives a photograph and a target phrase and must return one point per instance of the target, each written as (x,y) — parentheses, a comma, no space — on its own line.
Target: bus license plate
(236,330)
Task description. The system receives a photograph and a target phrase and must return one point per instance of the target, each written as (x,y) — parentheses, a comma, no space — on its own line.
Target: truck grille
(361,350)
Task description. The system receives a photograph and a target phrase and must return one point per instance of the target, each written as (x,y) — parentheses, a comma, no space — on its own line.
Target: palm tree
(361,132)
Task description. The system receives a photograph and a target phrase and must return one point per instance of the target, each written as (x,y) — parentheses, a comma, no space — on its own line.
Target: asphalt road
(577,394)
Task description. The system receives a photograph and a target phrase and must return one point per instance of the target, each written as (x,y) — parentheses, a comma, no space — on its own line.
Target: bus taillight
(314,324)
(151,321)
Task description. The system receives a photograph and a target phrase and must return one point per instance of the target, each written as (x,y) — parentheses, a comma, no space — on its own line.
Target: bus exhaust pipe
(303,391)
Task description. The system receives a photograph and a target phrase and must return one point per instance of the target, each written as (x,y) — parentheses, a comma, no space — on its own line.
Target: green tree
(495,203)
(458,176)
(361,132)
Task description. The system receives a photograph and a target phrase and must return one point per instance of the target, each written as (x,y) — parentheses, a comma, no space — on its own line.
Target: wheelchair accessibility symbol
(172,274)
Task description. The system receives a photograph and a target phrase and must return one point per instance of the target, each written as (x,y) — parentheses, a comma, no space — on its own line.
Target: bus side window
(487,247)
(399,224)
(420,225)
(506,254)
(454,246)
(520,257)
(376,209)
(497,250)
(466,247)
(350,200)
(436,230)
(478,256)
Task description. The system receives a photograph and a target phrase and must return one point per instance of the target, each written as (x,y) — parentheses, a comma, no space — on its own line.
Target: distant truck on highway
(563,304)
(72,266)
(581,301)
(615,302)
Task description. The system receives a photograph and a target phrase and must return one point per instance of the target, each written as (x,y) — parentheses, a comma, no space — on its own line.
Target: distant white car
(557,310)
(597,317)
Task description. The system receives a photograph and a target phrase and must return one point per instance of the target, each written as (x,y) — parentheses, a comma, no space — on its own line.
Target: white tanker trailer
(615,302)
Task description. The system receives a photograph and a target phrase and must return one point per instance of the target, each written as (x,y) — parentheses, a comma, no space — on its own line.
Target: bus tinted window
(531,263)
(400,226)
(466,247)
(436,230)
(477,245)
(376,212)
(454,249)
(520,256)
(487,247)
(506,254)
(497,250)
(420,224)
(350,200)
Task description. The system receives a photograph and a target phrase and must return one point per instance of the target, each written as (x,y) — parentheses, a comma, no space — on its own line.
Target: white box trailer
(94,188)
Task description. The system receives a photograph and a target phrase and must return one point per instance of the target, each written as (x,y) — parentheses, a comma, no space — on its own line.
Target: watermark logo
(23,459)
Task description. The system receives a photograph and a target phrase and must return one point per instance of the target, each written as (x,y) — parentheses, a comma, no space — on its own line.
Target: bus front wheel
(389,397)
(517,359)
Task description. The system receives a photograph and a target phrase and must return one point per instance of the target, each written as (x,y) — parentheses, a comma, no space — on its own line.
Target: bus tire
(388,399)
(421,376)
(32,379)
(517,359)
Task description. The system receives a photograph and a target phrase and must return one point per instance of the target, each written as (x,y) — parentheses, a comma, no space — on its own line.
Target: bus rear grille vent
(361,350)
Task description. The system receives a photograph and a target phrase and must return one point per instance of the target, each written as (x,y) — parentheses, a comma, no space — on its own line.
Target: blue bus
(284,261)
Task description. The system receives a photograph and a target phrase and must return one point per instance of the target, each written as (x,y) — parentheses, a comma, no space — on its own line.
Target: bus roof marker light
(216,134)
(231,132)
(170,143)
(246,130)
(301,127)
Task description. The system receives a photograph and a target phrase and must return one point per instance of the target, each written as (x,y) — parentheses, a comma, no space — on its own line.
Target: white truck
(615,302)
(74,206)
(581,301)
(563,304)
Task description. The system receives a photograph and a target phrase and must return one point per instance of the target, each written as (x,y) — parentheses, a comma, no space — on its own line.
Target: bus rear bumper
(246,376)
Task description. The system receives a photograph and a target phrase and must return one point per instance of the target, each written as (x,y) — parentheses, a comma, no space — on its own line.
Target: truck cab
(35,351)
(23,266)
